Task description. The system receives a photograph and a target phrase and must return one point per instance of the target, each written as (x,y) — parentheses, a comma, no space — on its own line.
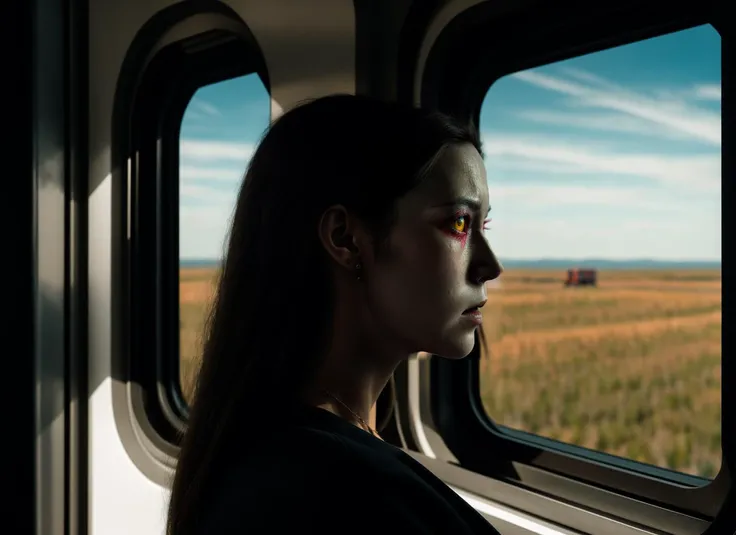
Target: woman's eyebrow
(473,204)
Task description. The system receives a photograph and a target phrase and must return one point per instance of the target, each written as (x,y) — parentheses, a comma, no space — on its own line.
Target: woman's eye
(460,224)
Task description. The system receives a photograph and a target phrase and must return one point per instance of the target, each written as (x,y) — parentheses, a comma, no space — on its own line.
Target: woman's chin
(455,349)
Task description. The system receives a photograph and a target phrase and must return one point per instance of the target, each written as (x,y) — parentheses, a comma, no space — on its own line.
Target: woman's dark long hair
(270,319)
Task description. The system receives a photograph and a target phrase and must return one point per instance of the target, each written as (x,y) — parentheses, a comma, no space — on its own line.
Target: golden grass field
(631,367)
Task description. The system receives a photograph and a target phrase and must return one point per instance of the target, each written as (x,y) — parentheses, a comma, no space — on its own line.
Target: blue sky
(611,155)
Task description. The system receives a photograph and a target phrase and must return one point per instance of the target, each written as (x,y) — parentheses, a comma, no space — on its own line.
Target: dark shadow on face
(430,276)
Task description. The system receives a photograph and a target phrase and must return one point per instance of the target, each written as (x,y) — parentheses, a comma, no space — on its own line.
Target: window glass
(220,128)
(604,174)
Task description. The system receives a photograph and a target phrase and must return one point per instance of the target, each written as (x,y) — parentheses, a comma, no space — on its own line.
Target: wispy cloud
(708,91)
(593,79)
(210,177)
(215,150)
(205,195)
(558,195)
(592,91)
(190,173)
(207,108)
(203,230)
(607,122)
(557,192)
(635,238)
(579,188)
(696,172)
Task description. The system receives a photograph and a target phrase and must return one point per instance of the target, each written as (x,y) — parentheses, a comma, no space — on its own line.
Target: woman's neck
(351,393)
(337,407)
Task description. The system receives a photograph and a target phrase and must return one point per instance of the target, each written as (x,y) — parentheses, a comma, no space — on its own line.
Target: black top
(321,474)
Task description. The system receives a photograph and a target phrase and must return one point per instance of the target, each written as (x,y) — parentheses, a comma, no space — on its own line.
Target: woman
(357,241)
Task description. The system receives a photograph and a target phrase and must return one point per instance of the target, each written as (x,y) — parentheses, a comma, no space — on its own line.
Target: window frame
(456,79)
(161,284)
(165,66)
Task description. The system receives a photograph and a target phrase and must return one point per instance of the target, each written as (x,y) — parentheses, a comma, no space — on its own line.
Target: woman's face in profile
(425,285)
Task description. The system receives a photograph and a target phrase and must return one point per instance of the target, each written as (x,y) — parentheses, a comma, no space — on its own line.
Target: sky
(611,155)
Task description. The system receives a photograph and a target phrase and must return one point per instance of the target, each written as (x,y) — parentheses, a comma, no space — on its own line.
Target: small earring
(358,271)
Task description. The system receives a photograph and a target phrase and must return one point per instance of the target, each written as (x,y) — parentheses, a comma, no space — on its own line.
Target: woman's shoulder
(317,452)
(314,477)
(278,479)
(297,457)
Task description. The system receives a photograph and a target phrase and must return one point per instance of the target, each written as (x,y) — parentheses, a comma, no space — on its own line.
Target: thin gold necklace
(363,423)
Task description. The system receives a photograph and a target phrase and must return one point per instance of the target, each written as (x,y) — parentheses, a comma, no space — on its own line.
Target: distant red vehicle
(581,277)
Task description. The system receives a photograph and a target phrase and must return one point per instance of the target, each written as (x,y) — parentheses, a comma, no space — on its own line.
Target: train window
(604,176)
(220,127)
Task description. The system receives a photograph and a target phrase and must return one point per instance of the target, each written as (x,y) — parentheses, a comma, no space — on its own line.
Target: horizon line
(545,259)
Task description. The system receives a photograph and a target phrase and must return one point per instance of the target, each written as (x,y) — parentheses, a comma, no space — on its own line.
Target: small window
(604,173)
(220,128)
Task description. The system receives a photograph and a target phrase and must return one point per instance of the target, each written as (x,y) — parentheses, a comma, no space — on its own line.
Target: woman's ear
(337,233)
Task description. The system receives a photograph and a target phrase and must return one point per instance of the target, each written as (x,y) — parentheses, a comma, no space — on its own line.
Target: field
(631,367)
(195,291)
